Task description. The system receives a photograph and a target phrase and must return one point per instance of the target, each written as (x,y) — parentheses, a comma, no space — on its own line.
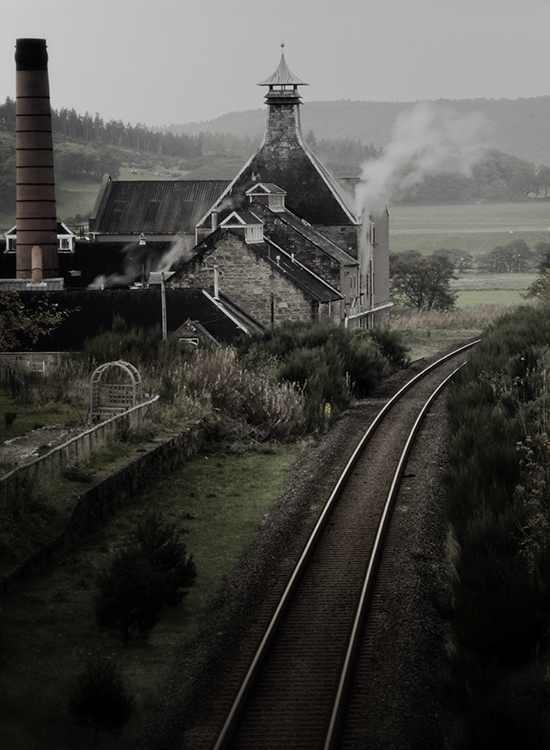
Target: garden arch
(109,398)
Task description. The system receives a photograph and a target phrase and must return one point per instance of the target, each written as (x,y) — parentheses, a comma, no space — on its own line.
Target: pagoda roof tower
(285,159)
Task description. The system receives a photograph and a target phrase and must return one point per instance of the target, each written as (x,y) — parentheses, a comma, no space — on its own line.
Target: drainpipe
(216,283)
(163,304)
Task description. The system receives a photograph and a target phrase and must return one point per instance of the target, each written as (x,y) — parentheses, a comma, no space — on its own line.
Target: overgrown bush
(498,507)
(329,363)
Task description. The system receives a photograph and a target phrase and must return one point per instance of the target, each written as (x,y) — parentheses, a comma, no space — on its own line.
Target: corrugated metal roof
(155,206)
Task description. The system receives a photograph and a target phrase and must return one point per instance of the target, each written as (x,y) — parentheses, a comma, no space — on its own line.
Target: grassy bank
(48,620)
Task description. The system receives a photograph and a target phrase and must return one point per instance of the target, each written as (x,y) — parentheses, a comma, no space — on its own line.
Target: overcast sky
(174,61)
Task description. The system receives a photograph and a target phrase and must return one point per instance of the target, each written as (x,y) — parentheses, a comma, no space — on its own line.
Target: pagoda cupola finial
(283,84)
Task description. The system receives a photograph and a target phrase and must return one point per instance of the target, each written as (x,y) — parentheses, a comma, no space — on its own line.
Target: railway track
(303,686)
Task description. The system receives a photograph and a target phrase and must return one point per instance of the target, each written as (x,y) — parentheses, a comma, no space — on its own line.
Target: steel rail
(309,549)
(371,574)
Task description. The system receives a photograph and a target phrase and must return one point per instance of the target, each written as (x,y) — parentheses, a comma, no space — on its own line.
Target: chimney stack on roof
(36,212)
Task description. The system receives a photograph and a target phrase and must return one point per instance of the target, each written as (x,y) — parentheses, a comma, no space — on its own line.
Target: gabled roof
(279,260)
(62,230)
(154,206)
(265,188)
(242,218)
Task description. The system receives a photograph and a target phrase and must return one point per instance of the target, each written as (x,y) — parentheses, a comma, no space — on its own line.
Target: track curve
(287,699)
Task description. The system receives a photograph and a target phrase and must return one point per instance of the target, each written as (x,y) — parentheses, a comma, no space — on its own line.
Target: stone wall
(249,281)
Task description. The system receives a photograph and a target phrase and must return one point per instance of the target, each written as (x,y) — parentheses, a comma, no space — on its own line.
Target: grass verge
(48,629)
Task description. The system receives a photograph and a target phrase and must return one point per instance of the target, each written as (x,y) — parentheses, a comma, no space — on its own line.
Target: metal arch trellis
(107,399)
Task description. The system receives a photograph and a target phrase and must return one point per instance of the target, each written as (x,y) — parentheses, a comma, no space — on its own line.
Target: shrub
(9,419)
(130,595)
(78,473)
(160,543)
(151,571)
(329,363)
(99,698)
(498,501)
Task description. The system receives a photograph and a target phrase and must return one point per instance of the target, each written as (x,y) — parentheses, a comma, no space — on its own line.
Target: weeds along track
(303,685)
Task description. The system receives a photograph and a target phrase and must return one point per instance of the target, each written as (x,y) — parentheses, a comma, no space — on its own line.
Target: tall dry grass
(215,382)
(467,318)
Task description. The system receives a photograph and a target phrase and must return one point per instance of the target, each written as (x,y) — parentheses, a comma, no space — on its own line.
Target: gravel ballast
(406,710)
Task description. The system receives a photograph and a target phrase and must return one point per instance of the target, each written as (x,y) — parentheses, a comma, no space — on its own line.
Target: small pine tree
(151,571)
(131,595)
(99,698)
(161,545)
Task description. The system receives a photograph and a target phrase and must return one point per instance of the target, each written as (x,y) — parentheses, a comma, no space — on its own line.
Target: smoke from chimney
(36,212)
(425,141)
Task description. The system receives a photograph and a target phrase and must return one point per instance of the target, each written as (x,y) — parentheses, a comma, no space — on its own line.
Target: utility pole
(163,303)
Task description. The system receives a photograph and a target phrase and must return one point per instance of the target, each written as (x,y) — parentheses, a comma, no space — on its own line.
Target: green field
(475,289)
(476,228)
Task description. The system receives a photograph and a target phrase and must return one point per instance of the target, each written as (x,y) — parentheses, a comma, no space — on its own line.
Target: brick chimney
(36,255)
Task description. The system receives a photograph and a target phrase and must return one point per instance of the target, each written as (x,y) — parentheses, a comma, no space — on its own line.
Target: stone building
(258,275)
(314,199)
(333,256)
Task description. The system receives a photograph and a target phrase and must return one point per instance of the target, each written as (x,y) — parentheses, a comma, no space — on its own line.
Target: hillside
(517,126)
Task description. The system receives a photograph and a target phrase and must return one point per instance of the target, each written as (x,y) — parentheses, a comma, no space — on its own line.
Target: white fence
(76,450)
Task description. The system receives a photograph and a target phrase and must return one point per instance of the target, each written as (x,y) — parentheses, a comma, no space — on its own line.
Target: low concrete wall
(76,449)
(93,505)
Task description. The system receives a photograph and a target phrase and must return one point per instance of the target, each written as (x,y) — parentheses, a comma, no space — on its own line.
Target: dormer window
(66,239)
(254,233)
(246,224)
(269,194)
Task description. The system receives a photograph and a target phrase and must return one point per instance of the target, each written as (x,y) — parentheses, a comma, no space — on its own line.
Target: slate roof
(314,286)
(153,206)
(312,192)
(303,228)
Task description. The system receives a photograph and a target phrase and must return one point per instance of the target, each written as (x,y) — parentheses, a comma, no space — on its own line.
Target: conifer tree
(99,698)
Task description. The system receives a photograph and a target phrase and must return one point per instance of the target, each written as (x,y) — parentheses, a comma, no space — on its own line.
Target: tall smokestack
(36,214)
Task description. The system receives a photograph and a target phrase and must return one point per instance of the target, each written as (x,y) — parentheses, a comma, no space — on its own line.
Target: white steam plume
(133,264)
(425,141)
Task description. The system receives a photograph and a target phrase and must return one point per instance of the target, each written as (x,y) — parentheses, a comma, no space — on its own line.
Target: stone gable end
(249,281)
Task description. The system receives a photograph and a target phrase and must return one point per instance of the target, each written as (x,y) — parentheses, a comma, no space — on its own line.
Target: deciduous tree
(21,325)
(422,281)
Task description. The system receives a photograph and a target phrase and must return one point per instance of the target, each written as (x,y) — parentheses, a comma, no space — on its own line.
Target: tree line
(495,176)
(423,282)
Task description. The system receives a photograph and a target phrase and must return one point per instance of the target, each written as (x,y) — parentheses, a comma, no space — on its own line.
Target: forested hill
(514,126)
